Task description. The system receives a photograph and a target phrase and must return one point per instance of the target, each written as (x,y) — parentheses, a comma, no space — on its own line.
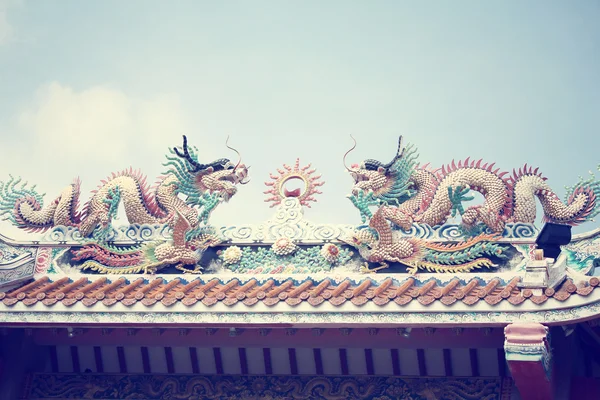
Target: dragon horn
(353,147)
(238,153)
(399,154)
(188,157)
(401,146)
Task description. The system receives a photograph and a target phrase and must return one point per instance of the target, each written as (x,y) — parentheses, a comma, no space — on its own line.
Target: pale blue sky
(87,88)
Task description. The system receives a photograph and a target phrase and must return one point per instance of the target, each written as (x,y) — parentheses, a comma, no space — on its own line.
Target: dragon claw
(150,270)
(197,269)
(364,269)
(363,200)
(457,195)
(412,269)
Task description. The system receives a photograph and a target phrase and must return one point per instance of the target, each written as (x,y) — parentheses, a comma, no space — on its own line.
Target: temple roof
(49,290)
(393,269)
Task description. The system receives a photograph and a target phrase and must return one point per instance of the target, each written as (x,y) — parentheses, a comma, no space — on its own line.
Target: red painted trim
(243,360)
(145,360)
(422,363)
(344,361)
(531,380)
(474,362)
(448,362)
(369,361)
(169,358)
(318,361)
(293,361)
(267,360)
(53,359)
(396,362)
(194,360)
(218,360)
(122,360)
(98,359)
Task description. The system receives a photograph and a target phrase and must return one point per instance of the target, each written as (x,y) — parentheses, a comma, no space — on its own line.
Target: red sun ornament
(305,193)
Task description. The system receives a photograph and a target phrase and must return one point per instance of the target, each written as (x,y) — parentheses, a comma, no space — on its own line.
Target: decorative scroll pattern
(108,387)
(125,234)
(13,274)
(584,255)
(9,253)
(289,222)
(13,263)
(449,232)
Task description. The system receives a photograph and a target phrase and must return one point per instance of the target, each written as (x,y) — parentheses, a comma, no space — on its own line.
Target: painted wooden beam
(266,337)
(529,360)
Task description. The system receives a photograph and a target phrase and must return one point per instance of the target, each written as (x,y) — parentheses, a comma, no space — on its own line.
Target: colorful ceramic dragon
(380,244)
(411,193)
(203,186)
(185,249)
(406,193)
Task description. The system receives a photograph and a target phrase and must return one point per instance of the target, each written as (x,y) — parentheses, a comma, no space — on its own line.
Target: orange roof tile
(150,291)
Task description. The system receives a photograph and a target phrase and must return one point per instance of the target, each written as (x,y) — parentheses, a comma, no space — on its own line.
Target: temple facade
(424,296)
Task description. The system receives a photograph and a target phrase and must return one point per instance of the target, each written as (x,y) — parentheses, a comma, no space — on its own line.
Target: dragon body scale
(203,186)
(405,193)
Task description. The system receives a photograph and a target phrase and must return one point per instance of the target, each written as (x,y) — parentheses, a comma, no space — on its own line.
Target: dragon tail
(114,260)
(94,265)
(463,256)
(580,203)
(24,207)
(586,194)
(110,258)
(464,267)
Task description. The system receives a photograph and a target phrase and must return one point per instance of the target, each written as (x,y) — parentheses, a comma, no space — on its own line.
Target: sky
(88,88)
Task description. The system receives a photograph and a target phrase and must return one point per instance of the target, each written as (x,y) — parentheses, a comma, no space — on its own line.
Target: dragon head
(218,177)
(390,182)
(365,237)
(202,242)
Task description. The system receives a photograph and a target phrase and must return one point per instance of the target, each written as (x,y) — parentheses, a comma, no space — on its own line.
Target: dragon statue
(203,186)
(405,193)
(380,244)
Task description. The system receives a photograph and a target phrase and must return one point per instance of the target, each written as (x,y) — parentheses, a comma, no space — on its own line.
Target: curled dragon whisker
(353,147)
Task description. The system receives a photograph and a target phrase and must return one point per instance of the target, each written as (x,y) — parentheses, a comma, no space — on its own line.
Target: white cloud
(64,133)
(102,119)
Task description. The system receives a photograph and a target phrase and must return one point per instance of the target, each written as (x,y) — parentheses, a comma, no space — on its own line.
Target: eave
(376,300)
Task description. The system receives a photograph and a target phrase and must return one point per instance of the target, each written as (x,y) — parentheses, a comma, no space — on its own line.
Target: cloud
(98,126)
(62,133)
(64,121)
